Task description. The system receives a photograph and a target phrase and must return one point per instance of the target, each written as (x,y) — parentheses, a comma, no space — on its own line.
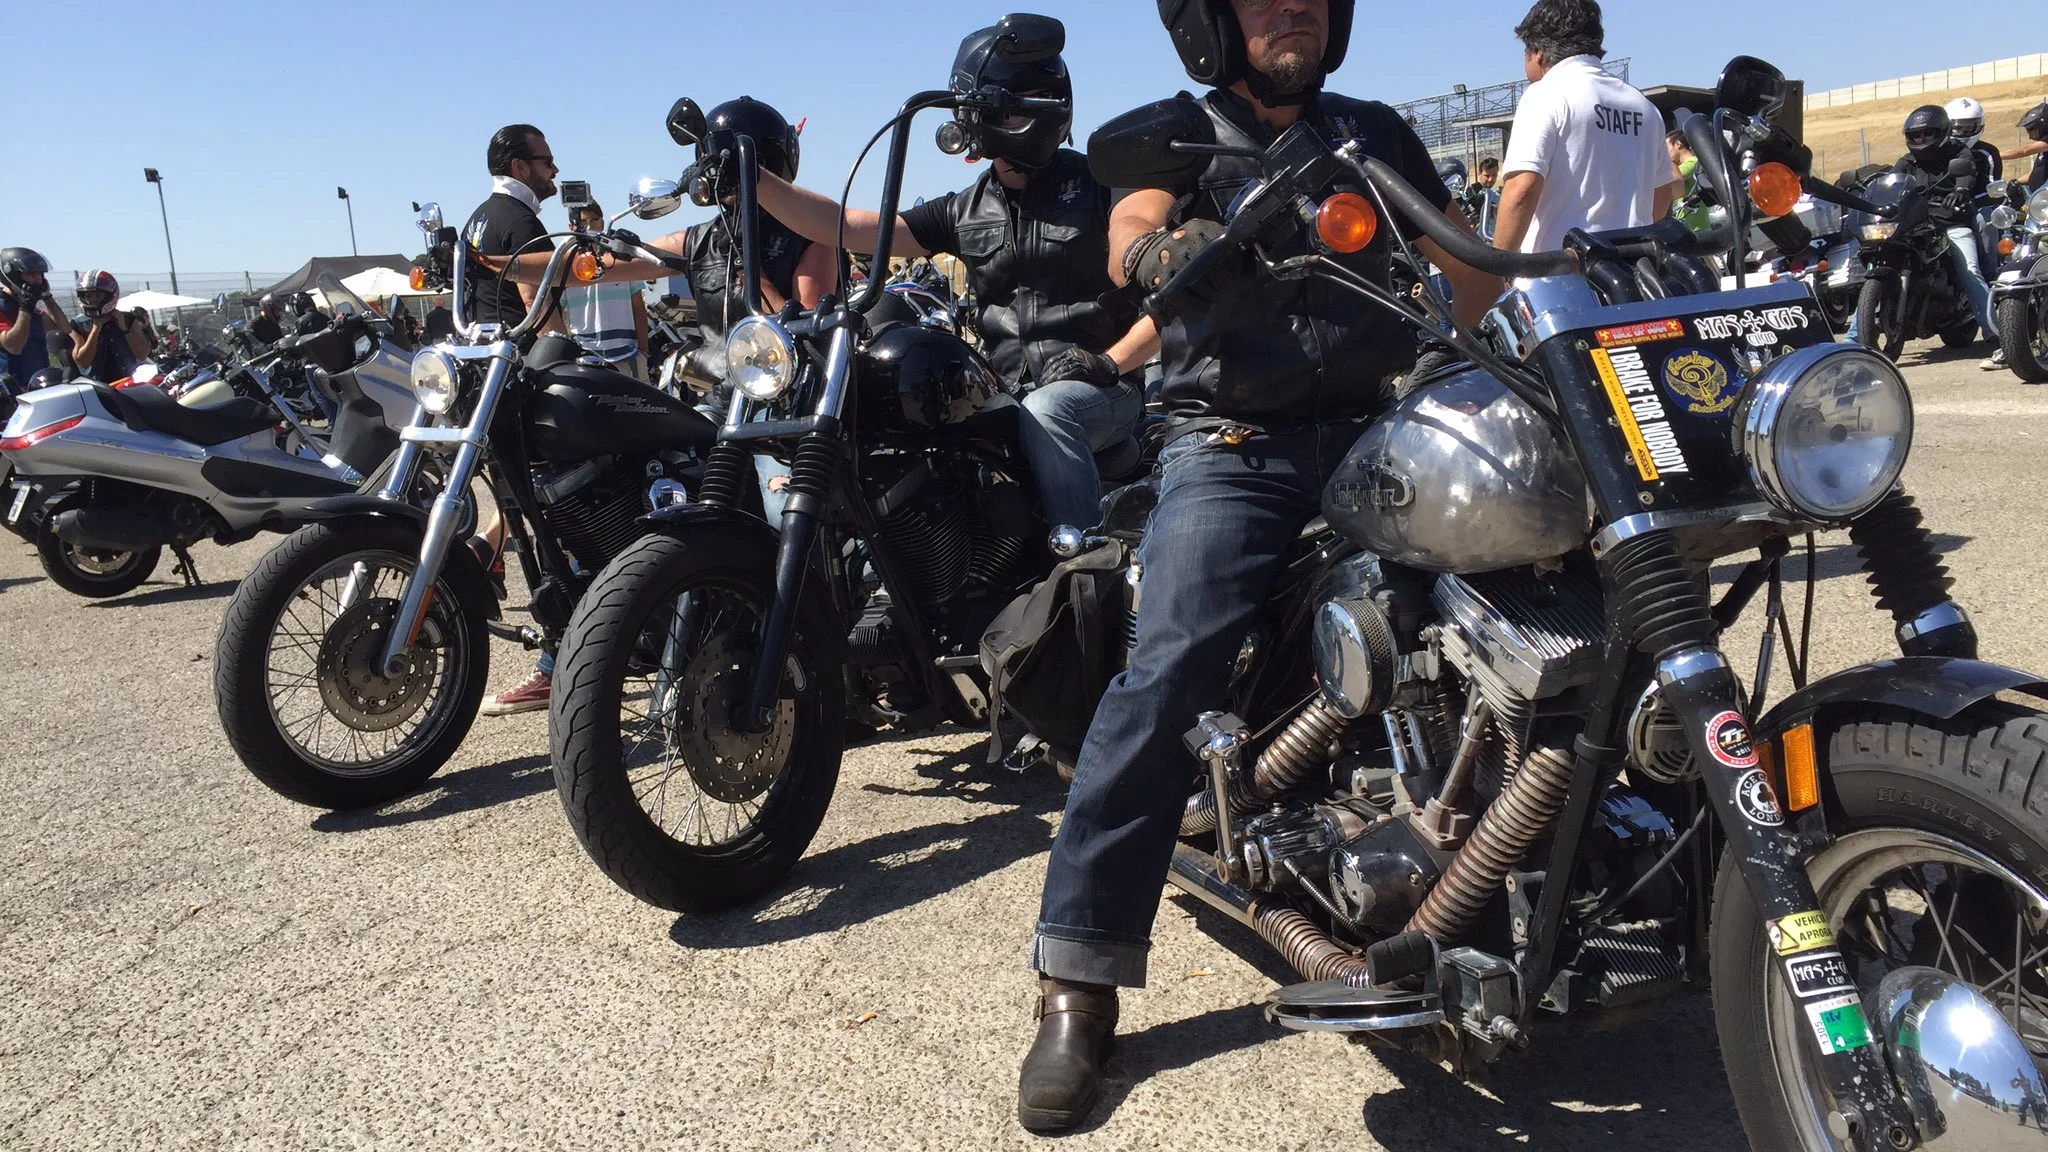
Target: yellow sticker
(1625,415)
(1801,933)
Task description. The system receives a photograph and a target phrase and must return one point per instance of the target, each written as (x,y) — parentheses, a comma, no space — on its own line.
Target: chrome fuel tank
(1461,477)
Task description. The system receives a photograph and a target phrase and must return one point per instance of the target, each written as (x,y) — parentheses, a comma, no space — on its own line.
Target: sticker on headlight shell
(1633,395)
(1819,974)
(1648,332)
(1838,1023)
(1728,741)
(1700,383)
(1799,932)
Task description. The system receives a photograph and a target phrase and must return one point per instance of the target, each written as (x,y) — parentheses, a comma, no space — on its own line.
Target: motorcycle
(1910,290)
(104,478)
(2020,290)
(352,660)
(709,679)
(1487,764)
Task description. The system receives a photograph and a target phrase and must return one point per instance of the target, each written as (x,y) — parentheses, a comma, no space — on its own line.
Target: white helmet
(1966,119)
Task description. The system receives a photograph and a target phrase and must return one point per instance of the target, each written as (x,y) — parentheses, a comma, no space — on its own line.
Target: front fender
(1936,686)
(358,504)
(2021,278)
(681,519)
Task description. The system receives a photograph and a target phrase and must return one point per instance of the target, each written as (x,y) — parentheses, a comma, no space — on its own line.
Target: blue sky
(255,112)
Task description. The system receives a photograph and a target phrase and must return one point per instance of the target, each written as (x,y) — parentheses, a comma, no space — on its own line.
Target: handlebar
(1457,243)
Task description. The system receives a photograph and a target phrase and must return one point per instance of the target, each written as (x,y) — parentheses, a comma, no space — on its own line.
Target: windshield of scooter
(339,300)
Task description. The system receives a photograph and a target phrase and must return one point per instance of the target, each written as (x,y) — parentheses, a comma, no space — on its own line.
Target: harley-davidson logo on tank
(1673,385)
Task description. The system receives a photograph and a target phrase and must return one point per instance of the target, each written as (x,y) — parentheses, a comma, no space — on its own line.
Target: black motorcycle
(709,678)
(352,659)
(2020,289)
(1910,291)
(1486,763)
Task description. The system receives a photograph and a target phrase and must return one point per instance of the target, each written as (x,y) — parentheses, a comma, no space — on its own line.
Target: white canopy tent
(383,283)
(159,301)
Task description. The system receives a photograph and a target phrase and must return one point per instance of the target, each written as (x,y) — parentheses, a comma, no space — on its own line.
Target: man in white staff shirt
(1587,150)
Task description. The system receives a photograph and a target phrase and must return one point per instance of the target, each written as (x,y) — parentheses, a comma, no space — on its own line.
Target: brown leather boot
(1063,1071)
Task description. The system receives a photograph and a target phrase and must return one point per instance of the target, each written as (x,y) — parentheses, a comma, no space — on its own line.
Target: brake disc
(352,681)
(730,766)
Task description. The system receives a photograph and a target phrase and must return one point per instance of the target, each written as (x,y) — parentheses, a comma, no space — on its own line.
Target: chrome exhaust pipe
(1193,872)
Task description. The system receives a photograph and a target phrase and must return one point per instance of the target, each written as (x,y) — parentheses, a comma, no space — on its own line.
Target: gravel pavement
(188,961)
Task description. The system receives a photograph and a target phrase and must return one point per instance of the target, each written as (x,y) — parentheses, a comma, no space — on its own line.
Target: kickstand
(186,567)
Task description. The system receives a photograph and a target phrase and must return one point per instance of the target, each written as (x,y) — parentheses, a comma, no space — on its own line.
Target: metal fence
(1451,124)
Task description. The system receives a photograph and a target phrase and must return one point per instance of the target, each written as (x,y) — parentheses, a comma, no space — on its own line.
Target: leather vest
(1037,259)
(1283,353)
(719,289)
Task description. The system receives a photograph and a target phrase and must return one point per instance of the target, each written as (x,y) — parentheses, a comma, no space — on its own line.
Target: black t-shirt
(266,329)
(1989,162)
(2039,179)
(501,226)
(1288,352)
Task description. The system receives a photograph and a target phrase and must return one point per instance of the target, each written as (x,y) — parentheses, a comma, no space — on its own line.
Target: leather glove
(1156,257)
(1074,363)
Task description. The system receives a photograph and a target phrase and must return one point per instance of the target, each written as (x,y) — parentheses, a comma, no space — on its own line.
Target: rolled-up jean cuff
(1080,956)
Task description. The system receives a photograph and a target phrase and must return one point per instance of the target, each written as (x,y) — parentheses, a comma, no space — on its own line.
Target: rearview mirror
(1024,38)
(1136,150)
(430,218)
(1962,166)
(652,198)
(1751,87)
(686,122)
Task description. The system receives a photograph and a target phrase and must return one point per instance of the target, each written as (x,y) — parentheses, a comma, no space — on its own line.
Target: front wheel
(2023,333)
(93,573)
(1940,860)
(672,800)
(1877,324)
(298,670)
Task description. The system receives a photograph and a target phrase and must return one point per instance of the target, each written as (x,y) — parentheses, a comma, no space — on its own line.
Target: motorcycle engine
(593,508)
(951,535)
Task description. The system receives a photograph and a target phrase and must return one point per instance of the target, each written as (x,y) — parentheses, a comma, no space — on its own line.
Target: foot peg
(1334,1006)
(524,635)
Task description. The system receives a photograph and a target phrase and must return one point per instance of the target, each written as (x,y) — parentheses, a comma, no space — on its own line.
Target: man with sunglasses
(522,168)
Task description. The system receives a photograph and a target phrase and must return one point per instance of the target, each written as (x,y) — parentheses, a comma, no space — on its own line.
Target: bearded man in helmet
(1033,233)
(1267,384)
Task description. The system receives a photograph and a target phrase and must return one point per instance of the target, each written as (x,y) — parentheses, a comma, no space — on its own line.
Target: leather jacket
(1287,353)
(717,285)
(1037,260)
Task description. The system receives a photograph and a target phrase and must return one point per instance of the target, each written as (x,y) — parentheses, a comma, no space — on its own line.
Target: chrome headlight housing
(2004,216)
(434,380)
(760,358)
(2037,209)
(1825,431)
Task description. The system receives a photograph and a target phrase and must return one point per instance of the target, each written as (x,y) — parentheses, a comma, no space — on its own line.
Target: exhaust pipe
(111,529)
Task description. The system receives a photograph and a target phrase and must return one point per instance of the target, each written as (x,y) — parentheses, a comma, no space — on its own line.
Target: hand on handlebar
(1194,260)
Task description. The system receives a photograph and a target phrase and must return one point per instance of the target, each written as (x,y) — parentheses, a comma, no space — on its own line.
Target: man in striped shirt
(608,319)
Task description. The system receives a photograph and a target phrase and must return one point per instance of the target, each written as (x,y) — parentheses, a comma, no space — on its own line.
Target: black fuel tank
(580,411)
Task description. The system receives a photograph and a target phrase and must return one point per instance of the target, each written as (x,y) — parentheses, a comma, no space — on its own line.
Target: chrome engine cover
(1461,477)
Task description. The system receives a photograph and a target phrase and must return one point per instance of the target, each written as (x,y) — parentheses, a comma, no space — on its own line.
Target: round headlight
(2037,209)
(760,358)
(433,380)
(1826,431)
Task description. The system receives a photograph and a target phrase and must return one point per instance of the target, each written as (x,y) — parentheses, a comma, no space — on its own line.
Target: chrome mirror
(653,197)
(430,218)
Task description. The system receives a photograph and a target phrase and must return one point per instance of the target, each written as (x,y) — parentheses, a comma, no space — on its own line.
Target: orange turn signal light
(2005,246)
(418,279)
(1774,189)
(1346,223)
(584,267)
(1802,773)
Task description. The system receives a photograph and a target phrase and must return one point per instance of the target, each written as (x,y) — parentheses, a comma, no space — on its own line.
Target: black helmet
(267,303)
(15,263)
(1453,173)
(990,59)
(2034,124)
(1927,129)
(775,142)
(1211,45)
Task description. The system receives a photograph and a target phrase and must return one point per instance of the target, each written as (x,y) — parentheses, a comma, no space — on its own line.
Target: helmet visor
(1924,138)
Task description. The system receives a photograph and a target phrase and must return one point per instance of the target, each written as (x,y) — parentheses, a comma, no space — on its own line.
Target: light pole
(157,178)
(341,194)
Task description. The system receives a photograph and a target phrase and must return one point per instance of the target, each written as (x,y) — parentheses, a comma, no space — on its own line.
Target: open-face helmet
(2035,122)
(988,59)
(776,147)
(1211,45)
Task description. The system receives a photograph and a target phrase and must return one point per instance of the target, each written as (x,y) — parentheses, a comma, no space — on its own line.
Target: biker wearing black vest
(1269,382)
(1033,233)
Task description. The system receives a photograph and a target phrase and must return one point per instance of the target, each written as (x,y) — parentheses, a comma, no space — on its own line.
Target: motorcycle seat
(149,409)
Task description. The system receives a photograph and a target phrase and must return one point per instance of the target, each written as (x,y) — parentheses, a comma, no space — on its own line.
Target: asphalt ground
(189,961)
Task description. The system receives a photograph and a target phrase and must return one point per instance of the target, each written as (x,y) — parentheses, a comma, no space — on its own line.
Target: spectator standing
(1583,151)
(1692,212)
(30,321)
(608,319)
(107,343)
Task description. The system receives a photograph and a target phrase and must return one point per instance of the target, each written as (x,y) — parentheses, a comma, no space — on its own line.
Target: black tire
(61,563)
(1976,780)
(1875,302)
(1960,335)
(591,771)
(242,665)
(2023,333)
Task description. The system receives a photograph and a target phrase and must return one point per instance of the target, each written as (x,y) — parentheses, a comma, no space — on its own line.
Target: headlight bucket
(760,358)
(434,380)
(1825,431)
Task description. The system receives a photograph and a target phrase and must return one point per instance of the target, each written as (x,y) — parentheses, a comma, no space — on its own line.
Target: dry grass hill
(1831,132)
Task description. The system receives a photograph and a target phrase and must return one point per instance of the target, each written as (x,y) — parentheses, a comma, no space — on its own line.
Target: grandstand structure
(1468,123)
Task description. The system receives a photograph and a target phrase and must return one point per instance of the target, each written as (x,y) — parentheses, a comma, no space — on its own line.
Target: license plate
(21,492)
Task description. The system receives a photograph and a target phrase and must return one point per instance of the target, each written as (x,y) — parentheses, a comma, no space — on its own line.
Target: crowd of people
(42,343)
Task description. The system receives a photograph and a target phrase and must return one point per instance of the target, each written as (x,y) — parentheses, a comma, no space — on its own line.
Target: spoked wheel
(676,802)
(1935,865)
(1877,323)
(2023,333)
(299,676)
(94,573)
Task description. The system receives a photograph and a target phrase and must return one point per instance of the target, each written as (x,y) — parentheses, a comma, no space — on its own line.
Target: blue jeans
(766,468)
(1067,422)
(1227,519)
(1964,260)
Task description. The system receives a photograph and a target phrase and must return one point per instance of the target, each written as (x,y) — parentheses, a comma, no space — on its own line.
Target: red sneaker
(531,695)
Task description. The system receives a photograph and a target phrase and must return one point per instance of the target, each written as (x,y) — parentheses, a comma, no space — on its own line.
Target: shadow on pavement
(12,581)
(1174,1045)
(858,882)
(457,792)
(179,594)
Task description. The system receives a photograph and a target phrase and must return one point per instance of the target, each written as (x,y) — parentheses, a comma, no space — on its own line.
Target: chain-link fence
(200,323)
